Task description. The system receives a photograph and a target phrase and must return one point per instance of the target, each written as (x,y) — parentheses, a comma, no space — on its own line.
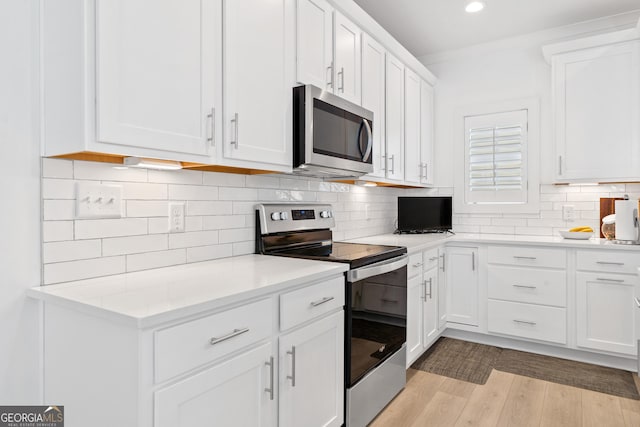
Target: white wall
(507,70)
(20,351)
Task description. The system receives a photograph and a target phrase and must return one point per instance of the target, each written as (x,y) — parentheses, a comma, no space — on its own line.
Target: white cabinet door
(394,121)
(606,312)
(427,121)
(442,289)
(373,87)
(430,307)
(413,169)
(312,374)
(258,80)
(314,43)
(229,394)
(415,297)
(462,284)
(158,74)
(347,59)
(597,105)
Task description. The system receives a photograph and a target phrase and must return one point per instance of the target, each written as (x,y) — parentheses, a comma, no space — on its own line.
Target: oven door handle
(377,269)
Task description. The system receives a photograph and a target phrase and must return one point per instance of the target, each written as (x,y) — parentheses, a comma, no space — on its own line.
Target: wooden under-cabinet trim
(226,169)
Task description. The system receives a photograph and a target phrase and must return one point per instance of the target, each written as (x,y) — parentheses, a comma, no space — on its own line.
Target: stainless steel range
(376,300)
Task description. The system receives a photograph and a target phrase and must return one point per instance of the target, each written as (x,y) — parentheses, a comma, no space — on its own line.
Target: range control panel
(282,217)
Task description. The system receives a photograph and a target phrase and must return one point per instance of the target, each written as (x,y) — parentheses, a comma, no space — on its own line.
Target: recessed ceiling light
(474,6)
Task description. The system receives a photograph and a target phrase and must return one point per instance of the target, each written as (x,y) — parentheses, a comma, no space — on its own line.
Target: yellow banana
(583,228)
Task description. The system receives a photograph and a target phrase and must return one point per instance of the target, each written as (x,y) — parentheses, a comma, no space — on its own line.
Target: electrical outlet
(95,200)
(568,213)
(176,217)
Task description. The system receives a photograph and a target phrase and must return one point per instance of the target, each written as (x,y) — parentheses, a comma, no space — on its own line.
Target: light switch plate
(95,200)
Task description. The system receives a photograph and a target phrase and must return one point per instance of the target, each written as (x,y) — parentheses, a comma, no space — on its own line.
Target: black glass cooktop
(356,254)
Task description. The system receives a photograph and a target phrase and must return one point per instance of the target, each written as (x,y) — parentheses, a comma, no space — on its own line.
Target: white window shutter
(496,158)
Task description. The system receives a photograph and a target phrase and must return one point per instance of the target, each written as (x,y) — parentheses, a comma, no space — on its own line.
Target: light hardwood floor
(505,400)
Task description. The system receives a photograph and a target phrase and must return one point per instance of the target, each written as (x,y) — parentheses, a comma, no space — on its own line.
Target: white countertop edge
(55,293)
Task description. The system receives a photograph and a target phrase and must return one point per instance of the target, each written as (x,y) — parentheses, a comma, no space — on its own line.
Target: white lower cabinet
(462,285)
(238,392)
(312,374)
(430,315)
(607,312)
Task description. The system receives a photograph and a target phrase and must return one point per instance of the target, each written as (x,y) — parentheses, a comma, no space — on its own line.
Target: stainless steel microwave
(332,137)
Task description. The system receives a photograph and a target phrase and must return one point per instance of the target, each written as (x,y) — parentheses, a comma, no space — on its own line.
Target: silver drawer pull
(609,263)
(602,279)
(235,333)
(524,286)
(526,322)
(637,301)
(322,301)
(417,264)
(433,258)
(524,257)
(391,301)
(270,388)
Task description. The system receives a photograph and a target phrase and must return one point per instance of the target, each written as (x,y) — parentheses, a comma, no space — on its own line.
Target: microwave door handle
(367,153)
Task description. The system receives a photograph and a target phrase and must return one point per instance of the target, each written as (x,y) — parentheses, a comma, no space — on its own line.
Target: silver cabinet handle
(442,256)
(211,129)
(526,322)
(322,301)
(390,301)
(330,70)
(426,176)
(524,257)
(367,152)
(559,165)
(341,84)
(424,289)
(473,261)
(235,333)
(637,301)
(433,258)
(609,263)
(429,294)
(270,388)
(383,162)
(393,163)
(292,377)
(417,264)
(235,127)
(420,168)
(524,286)
(603,279)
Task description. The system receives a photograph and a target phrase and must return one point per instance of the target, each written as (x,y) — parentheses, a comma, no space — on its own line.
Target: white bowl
(577,235)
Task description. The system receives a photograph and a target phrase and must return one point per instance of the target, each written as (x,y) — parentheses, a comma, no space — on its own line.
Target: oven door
(376,316)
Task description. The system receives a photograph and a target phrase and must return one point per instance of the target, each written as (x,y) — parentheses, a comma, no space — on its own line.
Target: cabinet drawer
(528,285)
(430,258)
(305,304)
(528,321)
(609,261)
(187,346)
(415,265)
(527,256)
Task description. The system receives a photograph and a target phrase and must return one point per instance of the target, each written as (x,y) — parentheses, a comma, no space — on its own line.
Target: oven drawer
(608,261)
(189,345)
(313,301)
(527,256)
(385,299)
(528,321)
(528,285)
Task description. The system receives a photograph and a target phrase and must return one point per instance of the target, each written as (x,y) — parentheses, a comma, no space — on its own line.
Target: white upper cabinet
(427,121)
(328,50)
(157,73)
(314,32)
(597,110)
(132,77)
(394,121)
(257,90)
(373,91)
(413,167)
(347,59)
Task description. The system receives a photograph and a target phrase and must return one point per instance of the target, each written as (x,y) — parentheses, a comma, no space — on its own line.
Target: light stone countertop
(148,298)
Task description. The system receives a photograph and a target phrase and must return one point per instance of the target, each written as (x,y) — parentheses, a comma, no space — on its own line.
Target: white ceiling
(431,26)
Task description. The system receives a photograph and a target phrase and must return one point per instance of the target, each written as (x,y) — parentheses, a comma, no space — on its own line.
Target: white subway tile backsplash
(194,238)
(236,193)
(98,228)
(205,253)
(58,189)
(186,177)
(134,244)
(71,250)
(159,259)
(236,235)
(159,225)
(106,172)
(193,223)
(494,229)
(144,191)
(83,269)
(57,168)
(294,184)
(262,181)
(223,221)
(535,231)
(224,179)
(147,208)
(244,248)
(59,209)
(209,208)
(192,192)
(244,208)
(55,231)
